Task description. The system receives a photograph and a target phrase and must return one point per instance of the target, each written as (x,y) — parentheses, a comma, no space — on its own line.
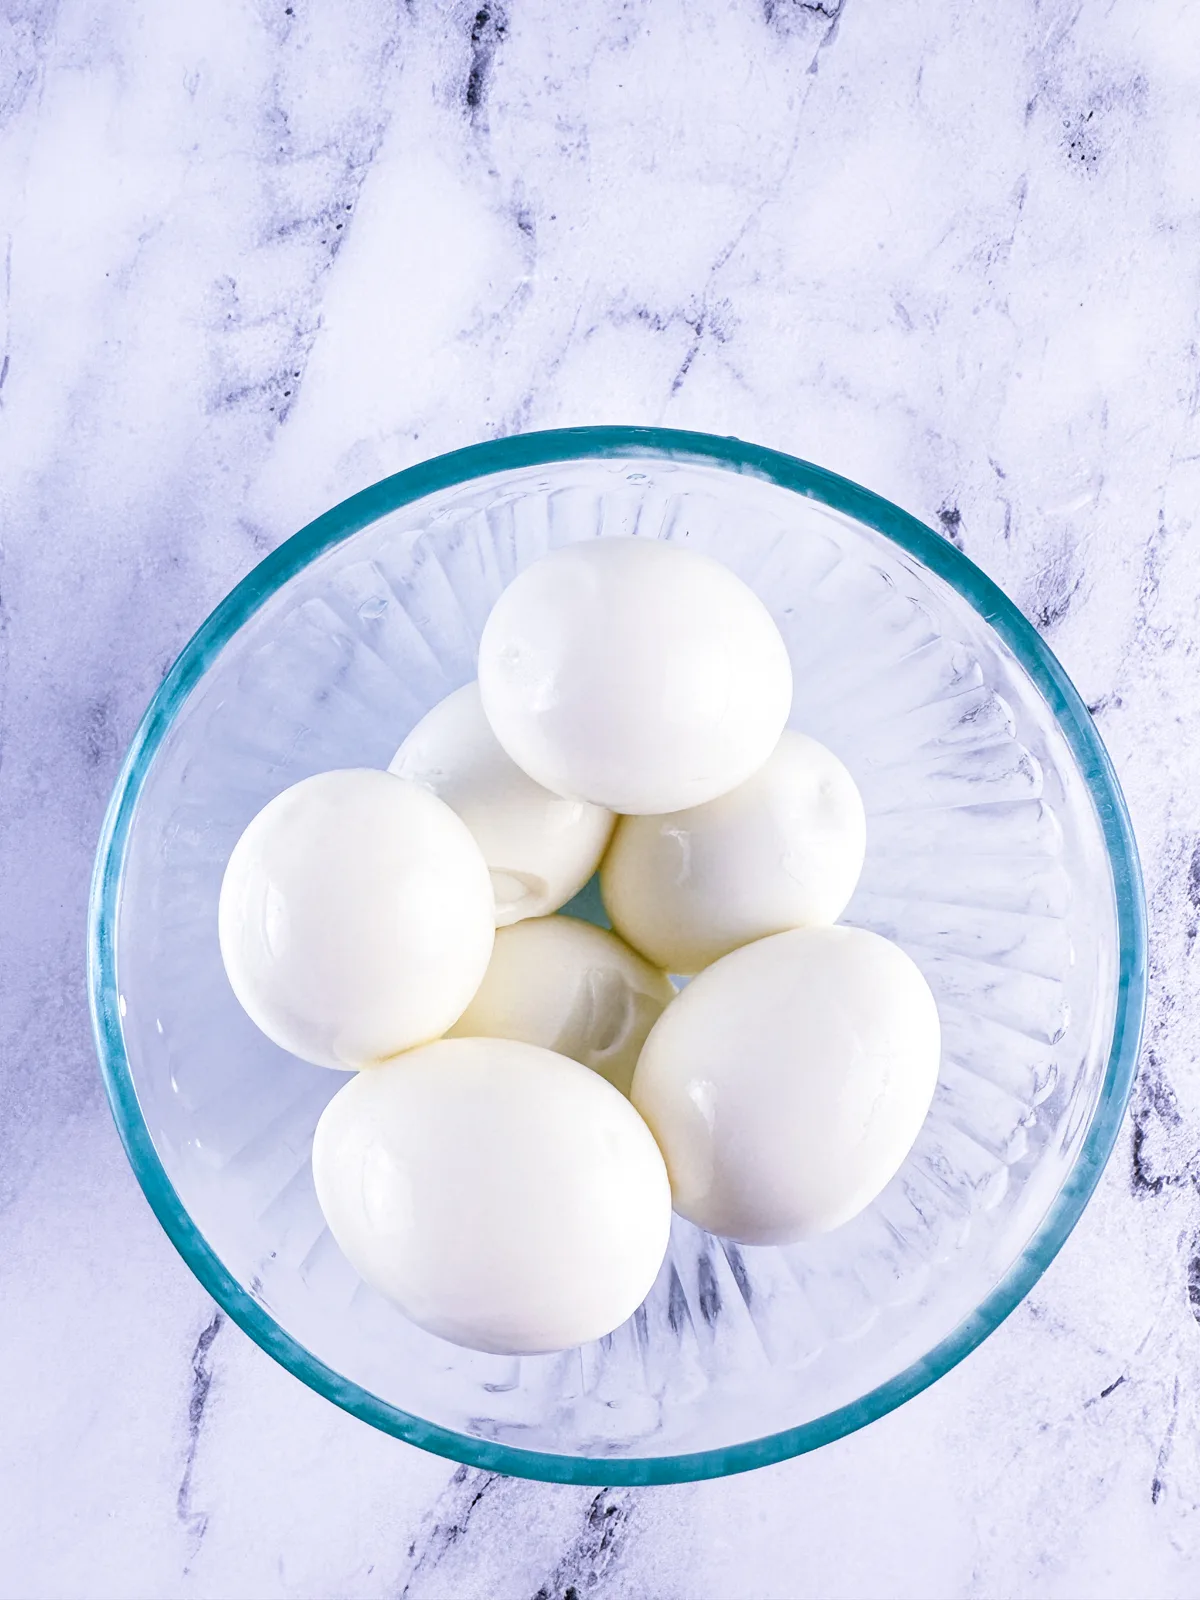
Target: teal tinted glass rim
(815,483)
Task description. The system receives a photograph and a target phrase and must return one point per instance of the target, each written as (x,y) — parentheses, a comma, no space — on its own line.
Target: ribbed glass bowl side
(1001,856)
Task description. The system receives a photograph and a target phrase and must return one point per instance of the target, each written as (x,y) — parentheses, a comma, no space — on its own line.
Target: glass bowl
(1000,857)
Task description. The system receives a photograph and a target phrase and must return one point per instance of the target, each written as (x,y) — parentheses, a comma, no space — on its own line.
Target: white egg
(571,987)
(633,673)
(355,918)
(782,850)
(787,1083)
(503,1197)
(540,848)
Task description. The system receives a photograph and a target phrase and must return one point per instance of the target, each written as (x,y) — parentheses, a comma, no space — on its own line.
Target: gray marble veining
(257,255)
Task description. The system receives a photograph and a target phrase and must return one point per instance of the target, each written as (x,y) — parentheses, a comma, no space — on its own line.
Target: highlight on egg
(635,674)
(355,917)
(782,850)
(503,1197)
(571,987)
(540,848)
(786,1084)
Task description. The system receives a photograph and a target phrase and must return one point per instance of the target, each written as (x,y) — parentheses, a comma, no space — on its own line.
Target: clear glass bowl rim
(528,450)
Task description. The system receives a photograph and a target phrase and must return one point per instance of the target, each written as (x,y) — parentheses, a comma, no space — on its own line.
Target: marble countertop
(257,255)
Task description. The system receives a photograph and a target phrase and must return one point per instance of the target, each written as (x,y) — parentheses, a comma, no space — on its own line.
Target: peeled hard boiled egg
(503,1197)
(785,1085)
(782,850)
(540,848)
(355,917)
(571,987)
(634,674)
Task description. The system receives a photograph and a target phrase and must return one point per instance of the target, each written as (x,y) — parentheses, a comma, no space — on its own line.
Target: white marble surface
(257,255)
